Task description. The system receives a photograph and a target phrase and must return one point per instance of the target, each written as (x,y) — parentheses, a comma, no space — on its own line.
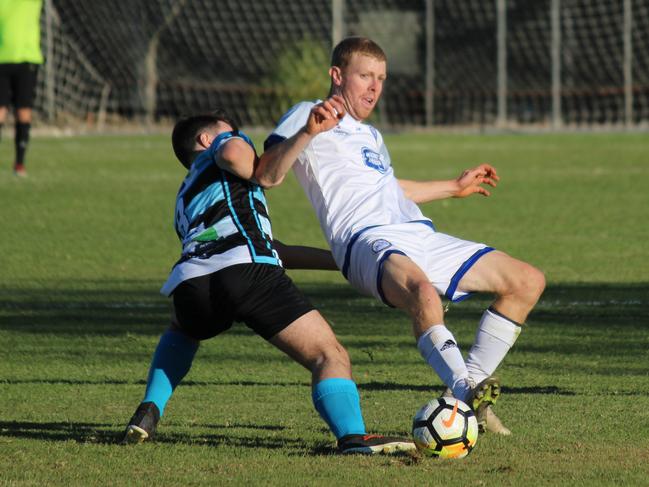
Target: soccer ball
(445,428)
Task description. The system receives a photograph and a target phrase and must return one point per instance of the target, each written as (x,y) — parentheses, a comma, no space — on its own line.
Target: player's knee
(528,283)
(332,354)
(424,304)
(24,115)
(341,356)
(424,295)
(536,282)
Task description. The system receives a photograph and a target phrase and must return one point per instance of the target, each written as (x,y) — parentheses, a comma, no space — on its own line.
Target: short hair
(183,136)
(343,52)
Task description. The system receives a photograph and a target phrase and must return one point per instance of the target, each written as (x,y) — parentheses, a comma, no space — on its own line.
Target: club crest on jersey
(379,245)
(373,159)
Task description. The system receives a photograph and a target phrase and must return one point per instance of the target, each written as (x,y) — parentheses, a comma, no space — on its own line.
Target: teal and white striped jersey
(221,219)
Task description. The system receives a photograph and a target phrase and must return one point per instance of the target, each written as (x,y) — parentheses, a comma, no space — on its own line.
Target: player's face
(360,84)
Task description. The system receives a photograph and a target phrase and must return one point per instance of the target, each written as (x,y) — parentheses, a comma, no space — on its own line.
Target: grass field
(87,241)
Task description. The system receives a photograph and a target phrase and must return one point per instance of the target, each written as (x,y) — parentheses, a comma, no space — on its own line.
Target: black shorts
(260,295)
(18,84)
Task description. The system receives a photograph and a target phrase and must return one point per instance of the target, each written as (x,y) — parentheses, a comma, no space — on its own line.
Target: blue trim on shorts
(464,268)
(348,252)
(355,237)
(379,274)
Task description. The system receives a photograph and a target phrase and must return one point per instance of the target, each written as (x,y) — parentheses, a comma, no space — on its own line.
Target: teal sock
(339,405)
(171,361)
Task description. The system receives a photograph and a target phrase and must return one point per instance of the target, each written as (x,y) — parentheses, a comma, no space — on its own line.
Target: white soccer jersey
(347,175)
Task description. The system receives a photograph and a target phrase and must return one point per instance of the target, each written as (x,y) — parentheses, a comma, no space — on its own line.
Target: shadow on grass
(105,434)
(392,386)
(60,431)
(111,308)
(185,383)
(366,386)
(85,307)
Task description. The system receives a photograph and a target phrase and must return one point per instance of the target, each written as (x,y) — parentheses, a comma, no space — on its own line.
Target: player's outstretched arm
(302,257)
(278,160)
(468,183)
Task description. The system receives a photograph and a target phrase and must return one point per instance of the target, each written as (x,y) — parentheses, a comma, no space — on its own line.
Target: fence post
(50,103)
(628,64)
(555,16)
(430,62)
(150,96)
(501,9)
(337,21)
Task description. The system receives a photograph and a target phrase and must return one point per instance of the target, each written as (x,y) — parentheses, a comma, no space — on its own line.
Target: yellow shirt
(20,32)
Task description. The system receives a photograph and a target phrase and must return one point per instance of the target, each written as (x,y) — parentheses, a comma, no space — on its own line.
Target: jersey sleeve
(289,124)
(222,138)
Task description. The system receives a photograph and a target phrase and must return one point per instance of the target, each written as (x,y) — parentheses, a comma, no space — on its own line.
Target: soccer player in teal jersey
(230,270)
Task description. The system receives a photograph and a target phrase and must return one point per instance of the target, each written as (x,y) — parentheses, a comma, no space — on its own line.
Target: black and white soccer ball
(445,428)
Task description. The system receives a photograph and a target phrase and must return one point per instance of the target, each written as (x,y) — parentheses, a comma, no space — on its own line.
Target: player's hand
(325,115)
(470,181)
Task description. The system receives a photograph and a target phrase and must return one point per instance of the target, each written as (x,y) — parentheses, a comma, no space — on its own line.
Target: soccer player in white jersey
(382,242)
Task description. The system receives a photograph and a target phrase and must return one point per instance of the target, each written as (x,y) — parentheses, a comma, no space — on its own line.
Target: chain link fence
(451,63)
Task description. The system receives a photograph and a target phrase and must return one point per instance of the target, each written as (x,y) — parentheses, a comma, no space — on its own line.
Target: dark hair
(343,52)
(183,136)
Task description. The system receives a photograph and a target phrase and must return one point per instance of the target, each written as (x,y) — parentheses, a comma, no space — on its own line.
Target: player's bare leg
(407,287)
(24,115)
(310,341)
(517,286)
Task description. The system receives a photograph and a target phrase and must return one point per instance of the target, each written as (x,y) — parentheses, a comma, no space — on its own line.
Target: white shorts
(444,259)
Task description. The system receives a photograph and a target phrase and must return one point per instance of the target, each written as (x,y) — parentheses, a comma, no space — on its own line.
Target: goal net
(545,63)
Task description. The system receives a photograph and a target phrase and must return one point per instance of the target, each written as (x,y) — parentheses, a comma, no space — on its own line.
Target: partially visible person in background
(20,57)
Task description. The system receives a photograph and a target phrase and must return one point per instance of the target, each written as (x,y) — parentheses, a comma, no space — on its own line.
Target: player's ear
(336,75)
(204,140)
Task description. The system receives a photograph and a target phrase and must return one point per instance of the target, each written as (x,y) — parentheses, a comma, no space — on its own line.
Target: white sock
(495,336)
(440,351)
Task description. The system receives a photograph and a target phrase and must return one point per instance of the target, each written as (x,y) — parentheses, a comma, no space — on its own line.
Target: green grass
(87,241)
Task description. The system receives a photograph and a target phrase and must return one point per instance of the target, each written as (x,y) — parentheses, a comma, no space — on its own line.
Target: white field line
(550,304)
(595,304)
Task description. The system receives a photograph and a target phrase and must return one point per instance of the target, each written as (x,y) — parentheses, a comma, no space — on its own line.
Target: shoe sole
(486,394)
(135,435)
(493,425)
(385,449)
